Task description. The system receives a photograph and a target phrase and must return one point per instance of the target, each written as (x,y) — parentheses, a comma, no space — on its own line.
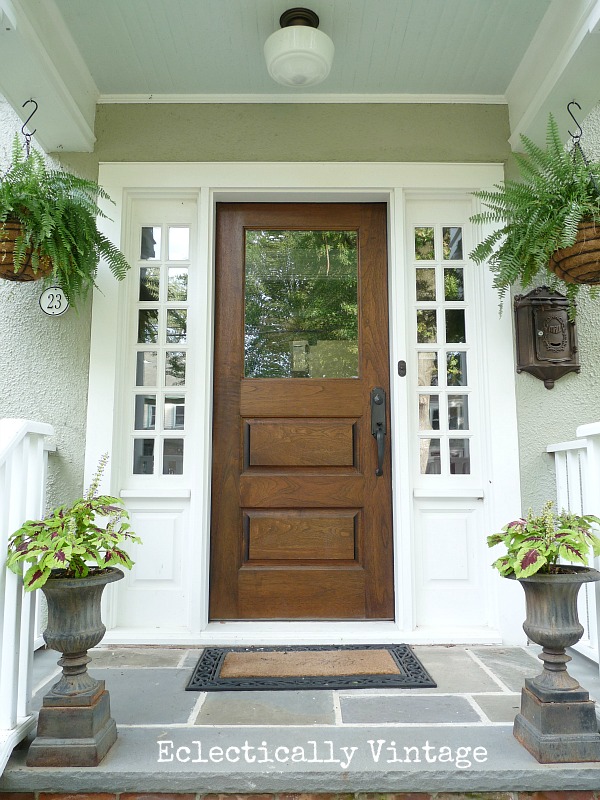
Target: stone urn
(557,722)
(74,726)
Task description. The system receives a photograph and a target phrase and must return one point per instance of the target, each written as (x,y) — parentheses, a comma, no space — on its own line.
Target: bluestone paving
(498,707)
(267,708)
(458,738)
(407,709)
(511,664)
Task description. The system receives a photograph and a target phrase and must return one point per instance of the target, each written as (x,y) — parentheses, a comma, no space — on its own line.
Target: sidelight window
(442,336)
(161,350)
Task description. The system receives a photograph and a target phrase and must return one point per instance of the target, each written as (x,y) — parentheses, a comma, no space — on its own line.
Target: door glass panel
(428,369)
(460,459)
(143,456)
(145,372)
(174,413)
(173,457)
(177,285)
(455,325)
(179,244)
(301,304)
(429,412)
(458,412)
(148,325)
(452,240)
(149,283)
(426,326)
(177,325)
(424,244)
(150,244)
(456,366)
(425,284)
(430,457)
(145,412)
(453,283)
(175,368)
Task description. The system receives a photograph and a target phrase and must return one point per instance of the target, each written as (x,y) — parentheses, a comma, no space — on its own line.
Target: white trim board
(394,183)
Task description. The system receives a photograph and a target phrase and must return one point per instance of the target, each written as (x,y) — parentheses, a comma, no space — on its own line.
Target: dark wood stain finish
(301,526)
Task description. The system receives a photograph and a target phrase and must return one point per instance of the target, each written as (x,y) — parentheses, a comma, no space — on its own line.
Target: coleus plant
(73,541)
(536,543)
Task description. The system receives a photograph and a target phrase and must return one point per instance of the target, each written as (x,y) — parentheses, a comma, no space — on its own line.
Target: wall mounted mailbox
(546,338)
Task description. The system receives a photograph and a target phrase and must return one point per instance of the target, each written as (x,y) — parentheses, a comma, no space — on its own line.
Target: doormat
(369,666)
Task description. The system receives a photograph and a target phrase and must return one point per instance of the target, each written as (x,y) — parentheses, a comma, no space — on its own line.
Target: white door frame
(322,182)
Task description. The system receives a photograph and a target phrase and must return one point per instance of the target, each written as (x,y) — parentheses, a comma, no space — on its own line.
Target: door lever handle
(378,425)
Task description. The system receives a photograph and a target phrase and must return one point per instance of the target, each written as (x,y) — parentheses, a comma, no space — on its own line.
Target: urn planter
(75,728)
(557,721)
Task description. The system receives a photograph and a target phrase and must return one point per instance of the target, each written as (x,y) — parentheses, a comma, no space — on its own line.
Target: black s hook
(25,133)
(575,136)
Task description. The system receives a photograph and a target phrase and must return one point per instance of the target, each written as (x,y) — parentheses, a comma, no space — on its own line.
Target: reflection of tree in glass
(149,283)
(424,244)
(300,285)
(175,368)
(177,288)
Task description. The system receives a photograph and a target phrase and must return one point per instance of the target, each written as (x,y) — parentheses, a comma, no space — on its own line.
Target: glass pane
(456,367)
(431,463)
(177,325)
(174,413)
(301,309)
(145,368)
(150,244)
(148,326)
(145,412)
(143,456)
(175,368)
(177,285)
(458,412)
(179,244)
(453,247)
(424,244)
(460,459)
(455,325)
(429,412)
(426,326)
(425,284)
(428,369)
(149,283)
(173,457)
(453,283)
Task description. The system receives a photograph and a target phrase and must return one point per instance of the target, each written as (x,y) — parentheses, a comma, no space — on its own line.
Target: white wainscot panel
(154,594)
(450,564)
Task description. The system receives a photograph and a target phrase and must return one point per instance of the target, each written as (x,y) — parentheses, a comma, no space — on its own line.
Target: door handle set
(378,425)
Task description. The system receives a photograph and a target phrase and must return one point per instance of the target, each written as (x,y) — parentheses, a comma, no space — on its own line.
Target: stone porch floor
(175,741)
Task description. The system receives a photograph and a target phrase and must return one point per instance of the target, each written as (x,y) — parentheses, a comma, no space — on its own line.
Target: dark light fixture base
(299,16)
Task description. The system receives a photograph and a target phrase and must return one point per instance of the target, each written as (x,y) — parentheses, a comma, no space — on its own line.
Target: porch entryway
(301,488)
(456,738)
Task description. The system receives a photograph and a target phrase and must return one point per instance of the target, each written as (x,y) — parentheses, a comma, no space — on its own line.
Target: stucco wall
(551,416)
(44,362)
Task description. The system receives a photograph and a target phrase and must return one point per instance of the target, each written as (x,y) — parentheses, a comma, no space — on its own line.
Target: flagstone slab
(407,709)
(267,708)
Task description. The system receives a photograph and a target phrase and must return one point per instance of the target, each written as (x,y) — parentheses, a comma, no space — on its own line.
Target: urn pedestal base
(73,731)
(558,727)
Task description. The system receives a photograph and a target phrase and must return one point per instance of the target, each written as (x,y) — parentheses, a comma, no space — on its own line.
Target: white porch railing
(23,462)
(577,465)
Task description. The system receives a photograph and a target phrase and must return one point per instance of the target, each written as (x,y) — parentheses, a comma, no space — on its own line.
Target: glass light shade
(299,55)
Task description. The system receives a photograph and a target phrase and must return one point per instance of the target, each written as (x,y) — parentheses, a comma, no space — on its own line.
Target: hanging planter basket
(9,233)
(581,262)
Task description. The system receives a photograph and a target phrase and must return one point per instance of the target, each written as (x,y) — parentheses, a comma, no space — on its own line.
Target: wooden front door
(301,523)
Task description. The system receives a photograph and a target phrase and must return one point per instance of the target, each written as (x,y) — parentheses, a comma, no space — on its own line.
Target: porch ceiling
(71,54)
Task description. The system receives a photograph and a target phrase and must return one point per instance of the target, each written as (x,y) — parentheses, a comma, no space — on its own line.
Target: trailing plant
(74,540)
(57,211)
(539,214)
(536,543)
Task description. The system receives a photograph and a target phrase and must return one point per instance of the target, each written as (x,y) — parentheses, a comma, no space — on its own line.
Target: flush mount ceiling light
(298,54)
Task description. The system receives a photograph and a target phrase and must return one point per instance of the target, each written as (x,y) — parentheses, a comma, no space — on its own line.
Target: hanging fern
(58,213)
(538,214)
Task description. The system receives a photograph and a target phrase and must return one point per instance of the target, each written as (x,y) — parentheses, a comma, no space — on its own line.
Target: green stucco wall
(297,132)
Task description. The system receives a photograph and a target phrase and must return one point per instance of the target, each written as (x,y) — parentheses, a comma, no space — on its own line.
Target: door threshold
(277,633)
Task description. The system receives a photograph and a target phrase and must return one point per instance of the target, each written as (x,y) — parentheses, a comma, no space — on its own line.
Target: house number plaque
(53,301)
